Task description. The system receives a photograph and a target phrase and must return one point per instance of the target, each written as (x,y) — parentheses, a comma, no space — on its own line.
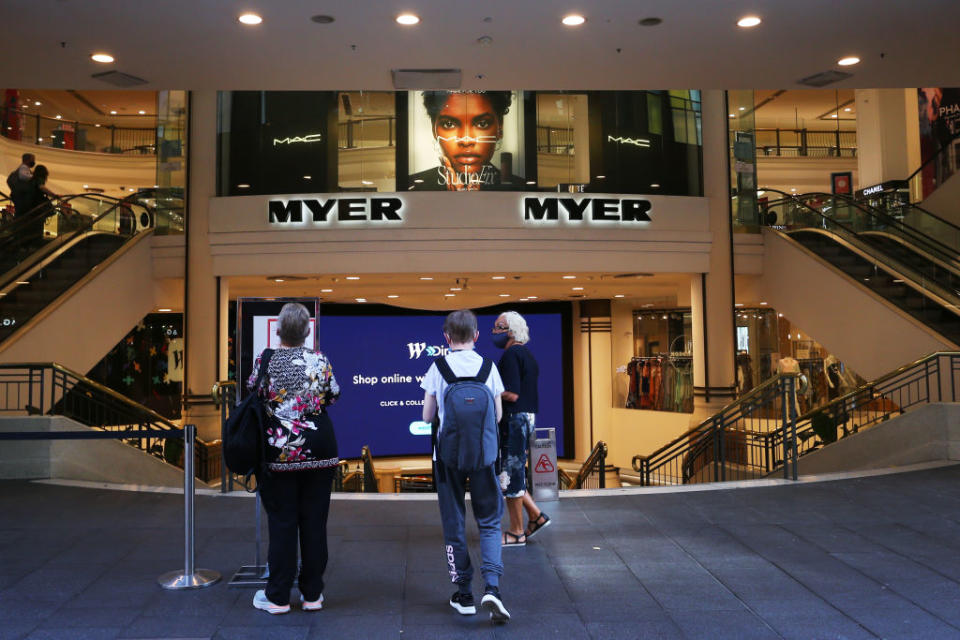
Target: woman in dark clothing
(37,205)
(301,459)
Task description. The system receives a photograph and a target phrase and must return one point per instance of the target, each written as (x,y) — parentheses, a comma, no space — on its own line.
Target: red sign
(544,465)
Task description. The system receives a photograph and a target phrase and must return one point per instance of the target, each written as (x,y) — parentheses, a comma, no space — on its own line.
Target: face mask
(500,340)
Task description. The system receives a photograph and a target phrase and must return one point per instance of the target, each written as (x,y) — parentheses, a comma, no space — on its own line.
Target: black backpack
(243,439)
(469,437)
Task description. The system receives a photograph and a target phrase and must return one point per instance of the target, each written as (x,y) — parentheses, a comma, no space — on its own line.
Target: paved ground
(874,557)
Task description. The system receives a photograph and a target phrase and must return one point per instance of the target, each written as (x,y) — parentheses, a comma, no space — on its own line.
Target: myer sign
(341,210)
(589,210)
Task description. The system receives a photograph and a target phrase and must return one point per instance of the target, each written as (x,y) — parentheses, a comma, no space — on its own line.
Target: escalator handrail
(10,231)
(885,218)
(933,156)
(13,274)
(860,203)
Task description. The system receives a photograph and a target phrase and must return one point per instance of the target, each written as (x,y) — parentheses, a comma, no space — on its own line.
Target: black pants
(297,502)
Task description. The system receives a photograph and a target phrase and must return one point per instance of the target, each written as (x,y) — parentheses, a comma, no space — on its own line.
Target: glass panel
(560,135)
(743,160)
(366,141)
(168,200)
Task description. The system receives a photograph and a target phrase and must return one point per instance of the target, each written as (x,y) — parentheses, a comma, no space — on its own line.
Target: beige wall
(803,174)
(888,134)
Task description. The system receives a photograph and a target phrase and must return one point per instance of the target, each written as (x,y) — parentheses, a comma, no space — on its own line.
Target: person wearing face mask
(519,371)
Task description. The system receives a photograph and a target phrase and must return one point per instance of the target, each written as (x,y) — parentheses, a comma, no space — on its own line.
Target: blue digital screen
(380,360)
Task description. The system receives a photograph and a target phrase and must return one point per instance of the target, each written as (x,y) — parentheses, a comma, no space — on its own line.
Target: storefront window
(660,375)
(366,141)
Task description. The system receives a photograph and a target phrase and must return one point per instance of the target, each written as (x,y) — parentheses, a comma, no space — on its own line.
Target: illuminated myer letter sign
(597,210)
(342,210)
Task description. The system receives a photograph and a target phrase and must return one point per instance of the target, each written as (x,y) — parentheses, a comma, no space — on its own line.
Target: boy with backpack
(464,388)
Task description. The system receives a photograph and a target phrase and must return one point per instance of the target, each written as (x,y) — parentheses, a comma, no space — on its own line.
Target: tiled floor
(865,558)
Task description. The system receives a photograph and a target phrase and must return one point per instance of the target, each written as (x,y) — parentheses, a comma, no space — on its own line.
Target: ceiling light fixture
(449,295)
(578,288)
(569,277)
(393,295)
(408,19)
(619,295)
(741,108)
(243,185)
(504,295)
(250,19)
(102,58)
(279,280)
(142,112)
(732,116)
(360,299)
(113,112)
(326,290)
(36,103)
(426,277)
(650,22)
(748,21)
(164,310)
(573,20)
(353,277)
(849,60)
(58,116)
(498,277)
(308,177)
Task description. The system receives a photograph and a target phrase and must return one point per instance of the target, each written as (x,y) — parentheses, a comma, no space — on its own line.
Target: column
(711,294)
(888,135)
(200,296)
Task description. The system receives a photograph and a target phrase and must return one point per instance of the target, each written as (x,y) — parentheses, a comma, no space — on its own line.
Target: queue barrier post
(190,577)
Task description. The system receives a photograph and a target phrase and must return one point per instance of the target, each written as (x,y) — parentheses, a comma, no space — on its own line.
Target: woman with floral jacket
(301,459)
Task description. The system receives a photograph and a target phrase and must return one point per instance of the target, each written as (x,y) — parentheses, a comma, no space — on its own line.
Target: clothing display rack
(661,383)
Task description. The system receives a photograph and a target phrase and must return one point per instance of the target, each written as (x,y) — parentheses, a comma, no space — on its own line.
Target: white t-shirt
(465,363)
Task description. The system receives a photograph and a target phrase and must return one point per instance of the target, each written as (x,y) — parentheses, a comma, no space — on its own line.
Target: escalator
(46,252)
(916,273)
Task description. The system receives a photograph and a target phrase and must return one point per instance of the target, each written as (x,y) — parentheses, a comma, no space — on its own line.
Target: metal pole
(791,385)
(191,578)
(784,410)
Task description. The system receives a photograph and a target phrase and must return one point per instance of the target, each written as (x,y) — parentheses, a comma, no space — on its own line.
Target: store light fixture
(749,21)
(326,290)
(504,295)
(22,282)
(353,277)
(243,185)
(408,19)
(142,112)
(250,19)
(279,280)
(848,61)
(619,295)
(498,277)
(113,112)
(164,310)
(426,277)
(97,125)
(655,185)
(763,303)
(779,315)
(102,58)
(569,277)
(308,177)
(531,182)
(392,296)
(36,103)
(577,288)
(573,20)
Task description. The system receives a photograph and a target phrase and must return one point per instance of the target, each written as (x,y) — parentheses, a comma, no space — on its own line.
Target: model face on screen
(467,129)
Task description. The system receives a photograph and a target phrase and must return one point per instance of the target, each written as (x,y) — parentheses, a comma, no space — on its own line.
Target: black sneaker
(491,602)
(463,603)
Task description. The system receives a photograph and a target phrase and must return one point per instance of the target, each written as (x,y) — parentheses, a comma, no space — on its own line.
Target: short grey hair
(518,326)
(294,324)
(461,326)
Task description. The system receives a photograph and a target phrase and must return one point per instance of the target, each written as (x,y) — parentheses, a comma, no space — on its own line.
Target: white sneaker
(311,605)
(260,601)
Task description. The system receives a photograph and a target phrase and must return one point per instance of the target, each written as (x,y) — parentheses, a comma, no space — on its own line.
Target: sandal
(518,540)
(542,520)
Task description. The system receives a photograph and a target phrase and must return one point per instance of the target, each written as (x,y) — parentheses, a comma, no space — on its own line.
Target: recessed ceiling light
(498,277)
(848,109)
(164,310)
(650,22)
(326,290)
(243,186)
(849,60)
(748,21)
(58,116)
(86,186)
(504,295)
(360,299)
(456,288)
(655,185)
(113,112)
(250,19)
(732,116)
(601,177)
(449,295)
(793,188)
(366,182)
(531,297)
(578,288)
(569,277)
(308,177)
(37,103)
(419,180)
(573,20)
(619,295)
(763,303)
(103,58)
(97,125)
(742,109)
(142,112)
(279,280)
(353,277)
(408,19)
(393,295)
(22,282)
(426,277)
(739,304)
(322,19)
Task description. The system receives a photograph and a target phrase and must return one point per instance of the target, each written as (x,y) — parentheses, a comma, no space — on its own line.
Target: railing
(53,390)
(34,128)
(935,170)
(753,436)
(734,444)
(593,472)
(367,133)
(555,141)
(805,143)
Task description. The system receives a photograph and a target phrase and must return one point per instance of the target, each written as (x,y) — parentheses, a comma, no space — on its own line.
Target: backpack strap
(484,372)
(264,365)
(450,377)
(445,370)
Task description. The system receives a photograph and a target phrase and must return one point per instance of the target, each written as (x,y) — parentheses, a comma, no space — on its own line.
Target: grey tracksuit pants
(487,502)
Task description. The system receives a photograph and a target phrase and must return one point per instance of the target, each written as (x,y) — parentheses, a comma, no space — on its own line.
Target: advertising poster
(841,183)
(939,123)
(380,360)
(466,141)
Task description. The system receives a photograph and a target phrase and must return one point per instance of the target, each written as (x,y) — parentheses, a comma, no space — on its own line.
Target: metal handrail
(597,458)
(933,156)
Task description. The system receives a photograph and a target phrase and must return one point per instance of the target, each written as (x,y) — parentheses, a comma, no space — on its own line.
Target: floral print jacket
(299,387)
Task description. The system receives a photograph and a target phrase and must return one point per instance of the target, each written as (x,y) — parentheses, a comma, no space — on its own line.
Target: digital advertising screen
(379,362)
(466,140)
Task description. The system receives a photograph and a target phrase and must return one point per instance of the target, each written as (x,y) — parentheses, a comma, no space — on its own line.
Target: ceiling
(94,107)
(185,44)
(806,109)
(452,291)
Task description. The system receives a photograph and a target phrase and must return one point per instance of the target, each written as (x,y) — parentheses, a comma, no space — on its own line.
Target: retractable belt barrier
(190,577)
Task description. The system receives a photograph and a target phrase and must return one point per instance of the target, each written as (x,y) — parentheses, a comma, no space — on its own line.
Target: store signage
(315,210)
(877,188)
(637,142)
(313,137)
(592,210)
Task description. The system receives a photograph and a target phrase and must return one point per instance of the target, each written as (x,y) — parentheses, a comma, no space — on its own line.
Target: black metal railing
(804,143)
(367,133)
(50,389)
(754,436)
(76,135)
(555,140)
(592,473)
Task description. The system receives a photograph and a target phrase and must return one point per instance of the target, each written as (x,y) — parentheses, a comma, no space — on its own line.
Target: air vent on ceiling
(824,78)
(119,79)
(426,78)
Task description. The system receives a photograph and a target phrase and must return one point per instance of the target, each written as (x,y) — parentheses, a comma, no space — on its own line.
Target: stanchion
(256,574)
(190,578)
